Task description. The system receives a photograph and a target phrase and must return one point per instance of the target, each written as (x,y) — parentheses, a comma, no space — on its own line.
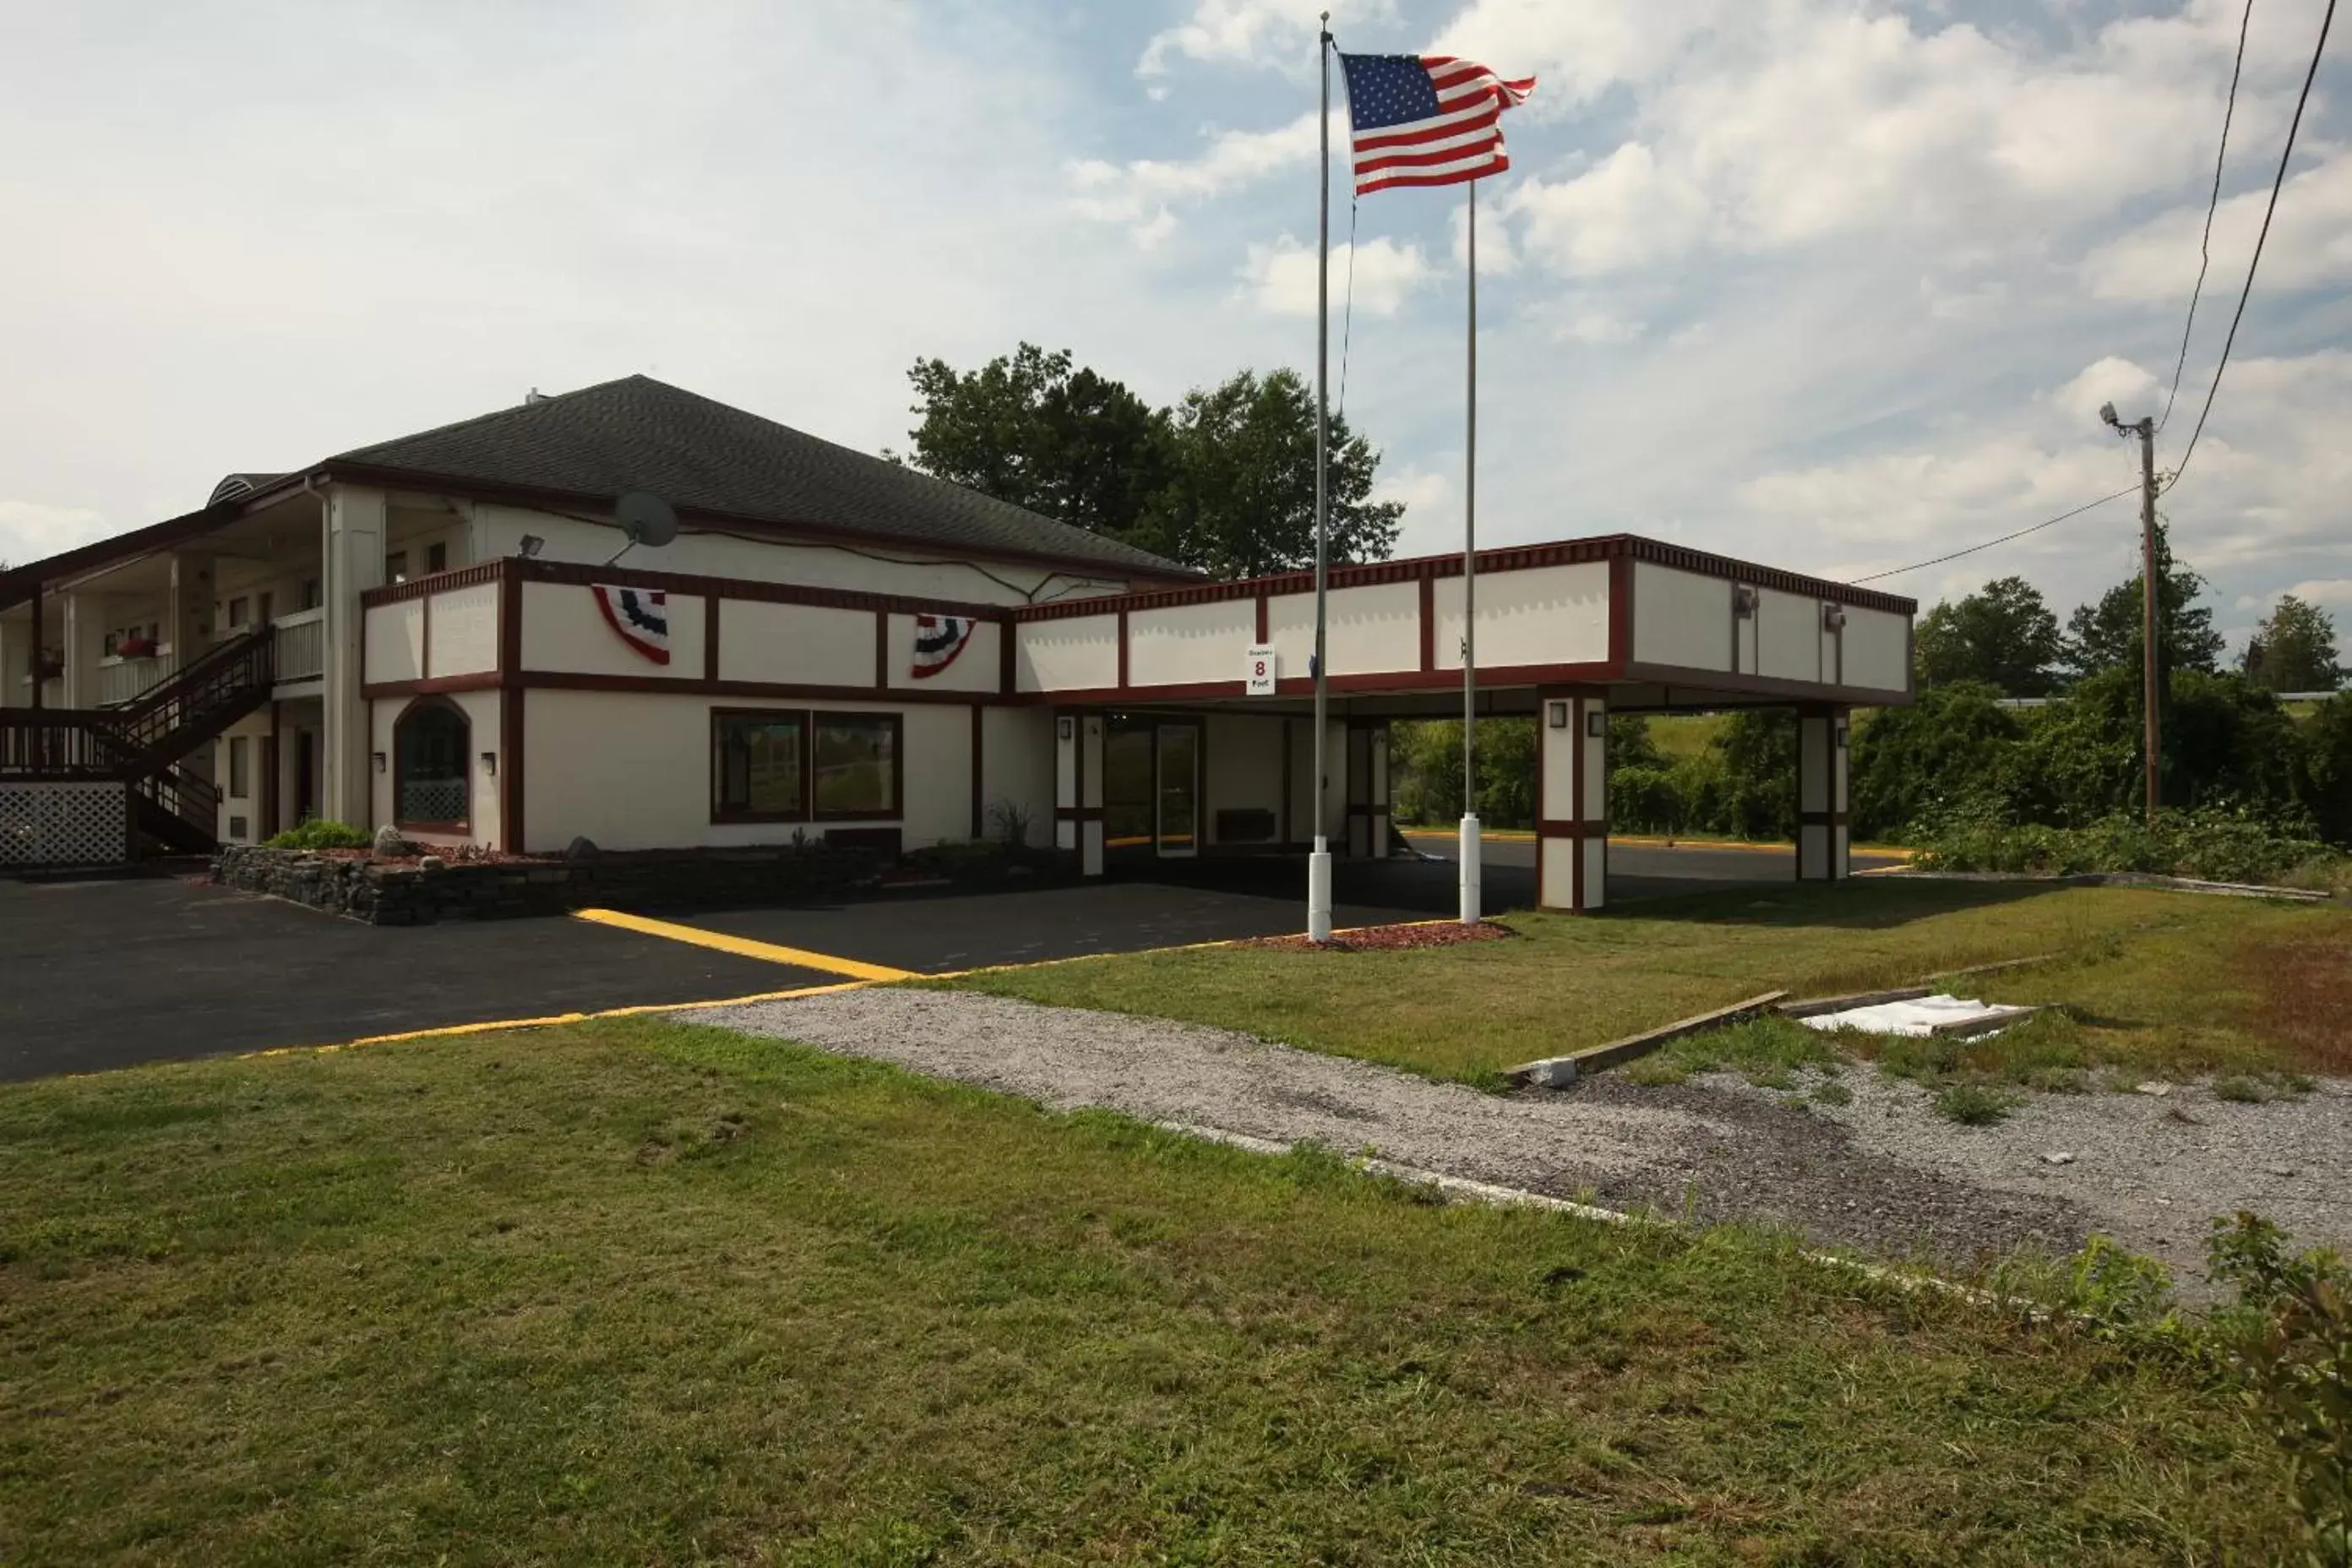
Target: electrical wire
(2004,539)
(2278,183)
(1346,315)
(2213,205)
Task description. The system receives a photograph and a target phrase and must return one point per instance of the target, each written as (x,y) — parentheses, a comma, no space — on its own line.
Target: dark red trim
(424,636)
(511,751)
(1514,558)
(1007,648)
(1562,827)
(692,583)
(1428,616)
(1122,650)
(881,650)
(1620,610)
(1746,683)
(1261,632)
(687,686)
(711,604)
(1303,686)
(439,685)
(979,776)
(435,583)
(509,624)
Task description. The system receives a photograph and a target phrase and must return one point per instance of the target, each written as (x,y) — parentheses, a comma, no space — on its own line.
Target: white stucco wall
(654,792)
(1243,768)
(1787,635)
(563,628)
(798,645)
(1547,615)
(395,641)
(1681,618)
(1191,644)
(1368,630)
(481,711)
(465,630)
(1078,653)
(498,531)
(1877,650)
(979,669)
(1016,766)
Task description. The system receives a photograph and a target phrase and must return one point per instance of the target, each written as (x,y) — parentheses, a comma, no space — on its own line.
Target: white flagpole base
(1469,862)
(1319,892)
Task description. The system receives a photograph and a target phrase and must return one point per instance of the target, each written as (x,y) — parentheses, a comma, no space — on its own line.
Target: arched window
(431,786)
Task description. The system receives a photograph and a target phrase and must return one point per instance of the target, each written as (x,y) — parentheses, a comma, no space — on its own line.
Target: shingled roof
(639,434)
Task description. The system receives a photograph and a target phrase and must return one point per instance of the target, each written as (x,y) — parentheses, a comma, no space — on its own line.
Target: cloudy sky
(1831,285)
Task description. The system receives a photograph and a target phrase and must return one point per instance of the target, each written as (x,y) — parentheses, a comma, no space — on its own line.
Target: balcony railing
(301,646)
(122,680)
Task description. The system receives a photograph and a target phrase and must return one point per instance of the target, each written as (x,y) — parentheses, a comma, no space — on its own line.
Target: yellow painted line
(495,1025)
(743,946)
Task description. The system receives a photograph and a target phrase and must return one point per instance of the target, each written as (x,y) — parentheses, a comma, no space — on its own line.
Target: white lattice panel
(63,824)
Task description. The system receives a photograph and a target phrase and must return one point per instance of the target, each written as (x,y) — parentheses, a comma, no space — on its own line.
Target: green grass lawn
(632,1293)
(2164,983)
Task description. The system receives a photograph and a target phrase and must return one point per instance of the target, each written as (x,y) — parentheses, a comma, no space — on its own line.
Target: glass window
(311,597)
(236,613)
(856,764)
(395,567)
(436,557)
(429,781)
(240,763)
(759,766)
(266,608)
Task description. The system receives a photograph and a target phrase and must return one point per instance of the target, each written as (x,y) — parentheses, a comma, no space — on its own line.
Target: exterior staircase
(145,743)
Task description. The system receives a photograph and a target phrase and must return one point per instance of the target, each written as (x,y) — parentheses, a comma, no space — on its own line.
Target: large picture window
(430,785)
(759,766)
(770,765)
(856,757)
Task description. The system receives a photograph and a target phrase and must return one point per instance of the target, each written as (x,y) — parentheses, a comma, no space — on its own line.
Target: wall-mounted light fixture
(1596,724)
(490,763)
(531,545)
(378,760)
(1556,715)
(1065,727)
(1840,735)
(1743,600)
(1833,617)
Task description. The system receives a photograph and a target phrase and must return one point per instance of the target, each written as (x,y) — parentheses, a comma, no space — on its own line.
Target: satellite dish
(646,518)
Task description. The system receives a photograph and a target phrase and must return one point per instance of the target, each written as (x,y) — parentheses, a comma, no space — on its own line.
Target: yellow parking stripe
(745,947)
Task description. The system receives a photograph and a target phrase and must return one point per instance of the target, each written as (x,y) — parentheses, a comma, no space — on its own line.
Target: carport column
(1078,788)
(85,645)
(1572,797)
(352,550)
(1821,847)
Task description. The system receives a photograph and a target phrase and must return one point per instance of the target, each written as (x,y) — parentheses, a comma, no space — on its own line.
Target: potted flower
(137,645)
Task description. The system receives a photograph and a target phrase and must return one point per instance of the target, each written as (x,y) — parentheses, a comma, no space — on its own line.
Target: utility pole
(2152,730)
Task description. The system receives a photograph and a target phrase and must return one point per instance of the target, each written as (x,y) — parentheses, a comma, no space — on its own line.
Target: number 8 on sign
(1262,671)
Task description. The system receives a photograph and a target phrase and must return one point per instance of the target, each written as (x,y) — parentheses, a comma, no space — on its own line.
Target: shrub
(319,833)
(1970,1103)
(2291,1331)
(1910,765)
(2220,844)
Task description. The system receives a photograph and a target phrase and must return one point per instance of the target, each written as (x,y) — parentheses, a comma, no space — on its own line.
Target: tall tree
(1030,428)
(2294,649)
(1241,503)
(2107,635)
(2003,635)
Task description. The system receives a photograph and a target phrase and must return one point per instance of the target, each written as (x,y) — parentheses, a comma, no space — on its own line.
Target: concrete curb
(2114,879)
(1558,1072)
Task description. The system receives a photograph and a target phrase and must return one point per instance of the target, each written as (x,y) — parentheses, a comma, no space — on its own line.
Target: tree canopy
(2002,636)
(2294,649)
(2107,635)
(1223,482)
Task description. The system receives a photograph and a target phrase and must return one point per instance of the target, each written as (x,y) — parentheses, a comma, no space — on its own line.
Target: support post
(1318,860)
(352,530)
(2151,694)
(1824,853)
(1572,797)
(1469,827)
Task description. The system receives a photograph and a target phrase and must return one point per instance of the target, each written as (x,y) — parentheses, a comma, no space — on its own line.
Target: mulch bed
(1389,938)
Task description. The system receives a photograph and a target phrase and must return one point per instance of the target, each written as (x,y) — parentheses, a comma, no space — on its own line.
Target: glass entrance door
(1177,819)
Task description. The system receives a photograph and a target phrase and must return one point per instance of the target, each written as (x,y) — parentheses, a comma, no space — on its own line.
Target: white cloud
(1624,213)
(2310,243)
(1281,275)
(1279,33)
(30,531)
(1576,50)
(1141,192)
(2131,388)
(2333,592)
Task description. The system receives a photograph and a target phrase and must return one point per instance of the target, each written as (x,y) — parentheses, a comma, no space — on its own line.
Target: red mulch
(1389,938)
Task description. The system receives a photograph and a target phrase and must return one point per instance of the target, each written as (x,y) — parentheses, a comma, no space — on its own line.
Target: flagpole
(1318,863)
(1468,850)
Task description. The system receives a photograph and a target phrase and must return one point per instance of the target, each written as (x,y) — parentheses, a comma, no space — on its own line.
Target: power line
(2213,205)
(2004,539)
(2278,181)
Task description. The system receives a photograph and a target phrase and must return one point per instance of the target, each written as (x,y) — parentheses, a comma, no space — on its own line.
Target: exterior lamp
(490,763)
(1065,728)
(531,545)
(1596,724)
(378,760)
(1557,714)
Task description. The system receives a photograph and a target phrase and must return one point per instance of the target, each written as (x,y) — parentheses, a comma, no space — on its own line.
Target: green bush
(2291,1331)
(319,833)
(2223,846)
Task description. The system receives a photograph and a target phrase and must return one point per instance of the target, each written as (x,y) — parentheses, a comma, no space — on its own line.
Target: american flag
(1427,119)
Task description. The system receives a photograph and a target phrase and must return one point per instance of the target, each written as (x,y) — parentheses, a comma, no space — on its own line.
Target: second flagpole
(1468,850)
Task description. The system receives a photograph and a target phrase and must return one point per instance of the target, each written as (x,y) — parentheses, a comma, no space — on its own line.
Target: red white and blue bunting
(937,641)
(639,617)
